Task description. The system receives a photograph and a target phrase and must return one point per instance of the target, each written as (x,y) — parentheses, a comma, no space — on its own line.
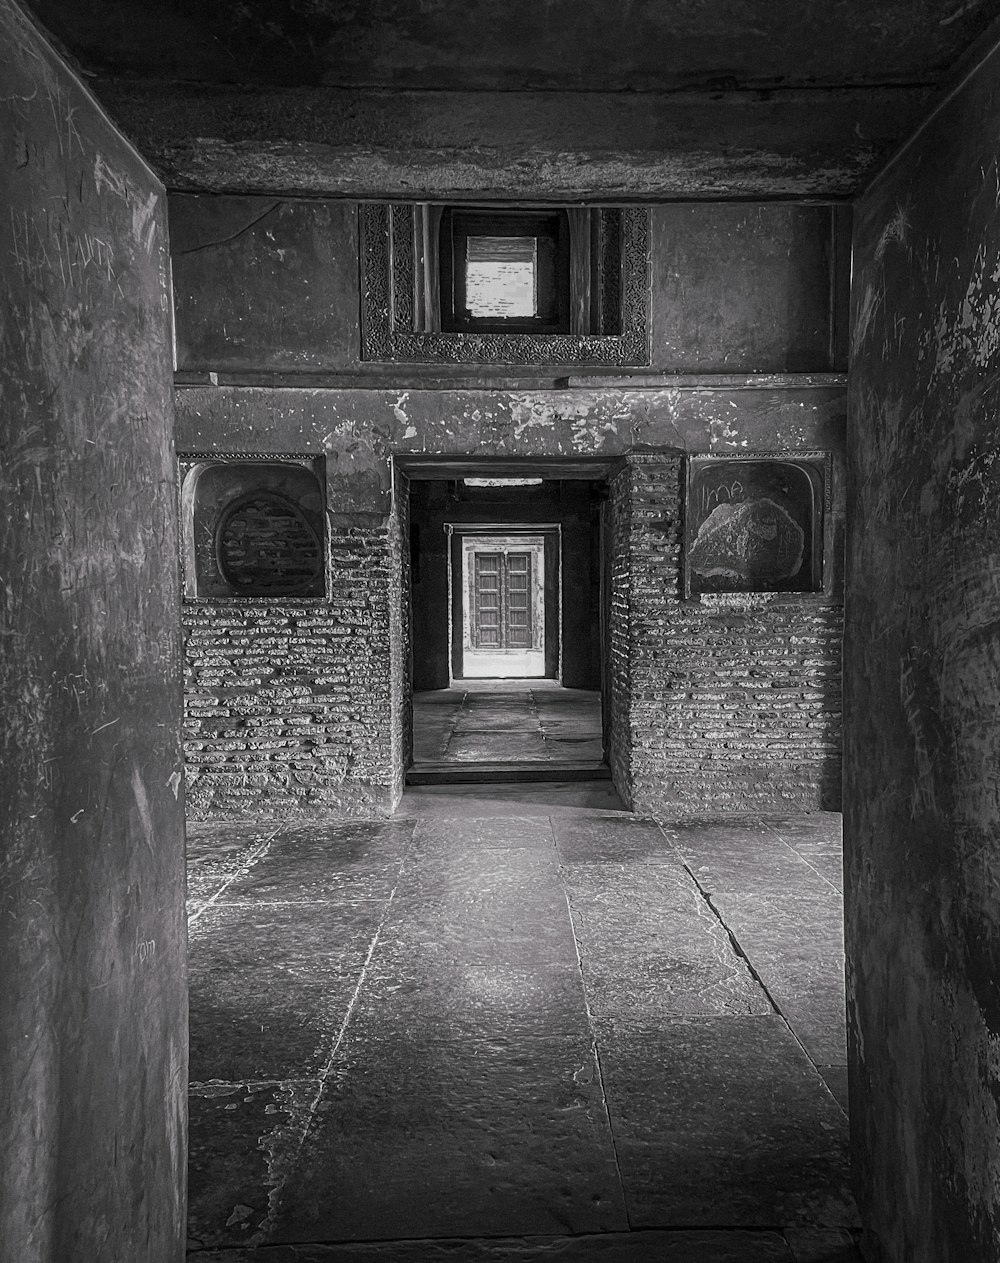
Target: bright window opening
(501,279)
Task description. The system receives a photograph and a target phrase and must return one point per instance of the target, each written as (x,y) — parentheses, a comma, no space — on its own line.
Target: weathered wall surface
(922,766)
(270,284)
(264,282)
(747,288)
(343,716)
(359,430)
(93,1008)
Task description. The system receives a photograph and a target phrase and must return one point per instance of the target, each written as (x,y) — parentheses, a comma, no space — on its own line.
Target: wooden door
(517,603)
(487,622)
(501,614)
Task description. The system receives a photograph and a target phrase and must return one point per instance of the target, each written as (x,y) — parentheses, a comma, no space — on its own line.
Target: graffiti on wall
(755,523)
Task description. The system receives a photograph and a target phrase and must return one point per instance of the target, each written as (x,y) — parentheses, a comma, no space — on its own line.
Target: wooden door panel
(487,613)
(518,601)
(501,601)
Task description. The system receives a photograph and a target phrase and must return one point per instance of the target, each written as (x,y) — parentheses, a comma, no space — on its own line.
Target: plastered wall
(93,1005)
(273,284)
(922,665)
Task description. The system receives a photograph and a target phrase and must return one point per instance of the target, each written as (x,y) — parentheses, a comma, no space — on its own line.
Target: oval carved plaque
(265,546)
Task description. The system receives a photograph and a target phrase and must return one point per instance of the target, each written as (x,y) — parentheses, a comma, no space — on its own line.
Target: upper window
(504,271)
(545,285)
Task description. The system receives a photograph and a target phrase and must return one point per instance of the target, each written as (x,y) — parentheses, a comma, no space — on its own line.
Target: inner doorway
(502,590)
(506,628)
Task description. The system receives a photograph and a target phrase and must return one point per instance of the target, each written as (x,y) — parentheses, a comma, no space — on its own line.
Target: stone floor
(518,1027)
(507,721)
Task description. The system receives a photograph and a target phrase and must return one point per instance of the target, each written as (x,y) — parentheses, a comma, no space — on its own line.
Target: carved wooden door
(487,623)
(517,603)
(502,601)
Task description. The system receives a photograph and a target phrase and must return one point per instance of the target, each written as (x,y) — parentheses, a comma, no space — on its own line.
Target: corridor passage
(506,721)
(492,1030)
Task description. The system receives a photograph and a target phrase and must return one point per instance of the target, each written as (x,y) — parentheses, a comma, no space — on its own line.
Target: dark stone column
(93,1028)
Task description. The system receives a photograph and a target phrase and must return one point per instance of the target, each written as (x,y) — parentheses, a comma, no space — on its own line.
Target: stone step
(443,773)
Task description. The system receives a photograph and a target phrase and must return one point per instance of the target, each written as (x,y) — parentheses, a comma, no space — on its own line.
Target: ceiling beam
(819,144)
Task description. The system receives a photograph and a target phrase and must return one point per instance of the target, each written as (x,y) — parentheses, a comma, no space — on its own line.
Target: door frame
(551,533)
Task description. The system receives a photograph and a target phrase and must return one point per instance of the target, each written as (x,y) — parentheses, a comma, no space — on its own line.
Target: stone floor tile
(270,985)
(570,749)
(407,994)
(496,747)
(611,839)
(651,947)
(486,832)
(817,1016)
(794,943)
(677,1246)
(763,866)
(687,977)
(823,855)
(510,918)
(218,841)
(421,1139)
(331,860)
(823,824)
(234,1132)
(504,721)
(220,851)
(725,1121)
(785,924)
(618,891)
(713,835)
(463,1100)
(498,718)
(202,889)
(556,798)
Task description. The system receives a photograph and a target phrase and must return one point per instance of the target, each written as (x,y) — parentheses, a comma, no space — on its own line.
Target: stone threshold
(451,773)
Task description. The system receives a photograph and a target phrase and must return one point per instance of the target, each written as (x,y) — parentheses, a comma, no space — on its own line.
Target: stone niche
(756,523)
(253,528)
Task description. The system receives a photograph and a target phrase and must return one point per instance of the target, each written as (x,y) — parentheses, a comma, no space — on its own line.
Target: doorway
(504,601)
(506,626)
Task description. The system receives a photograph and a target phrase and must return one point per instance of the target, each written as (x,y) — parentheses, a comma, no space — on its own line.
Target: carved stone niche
(253,527)
(756,522)
(401,298)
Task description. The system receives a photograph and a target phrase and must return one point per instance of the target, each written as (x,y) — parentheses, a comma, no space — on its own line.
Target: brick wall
(288,703)
(617,636)
(735,706)
(400,629)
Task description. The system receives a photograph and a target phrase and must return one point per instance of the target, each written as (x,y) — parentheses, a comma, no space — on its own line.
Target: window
(505,285)
(504,271)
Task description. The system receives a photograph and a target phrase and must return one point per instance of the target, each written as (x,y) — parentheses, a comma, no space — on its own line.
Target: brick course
(288,703)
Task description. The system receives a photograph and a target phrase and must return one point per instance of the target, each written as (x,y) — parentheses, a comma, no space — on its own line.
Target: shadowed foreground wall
(922,665)
(93,1026)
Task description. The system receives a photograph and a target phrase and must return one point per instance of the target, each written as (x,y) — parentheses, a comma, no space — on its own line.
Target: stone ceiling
(538,99)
